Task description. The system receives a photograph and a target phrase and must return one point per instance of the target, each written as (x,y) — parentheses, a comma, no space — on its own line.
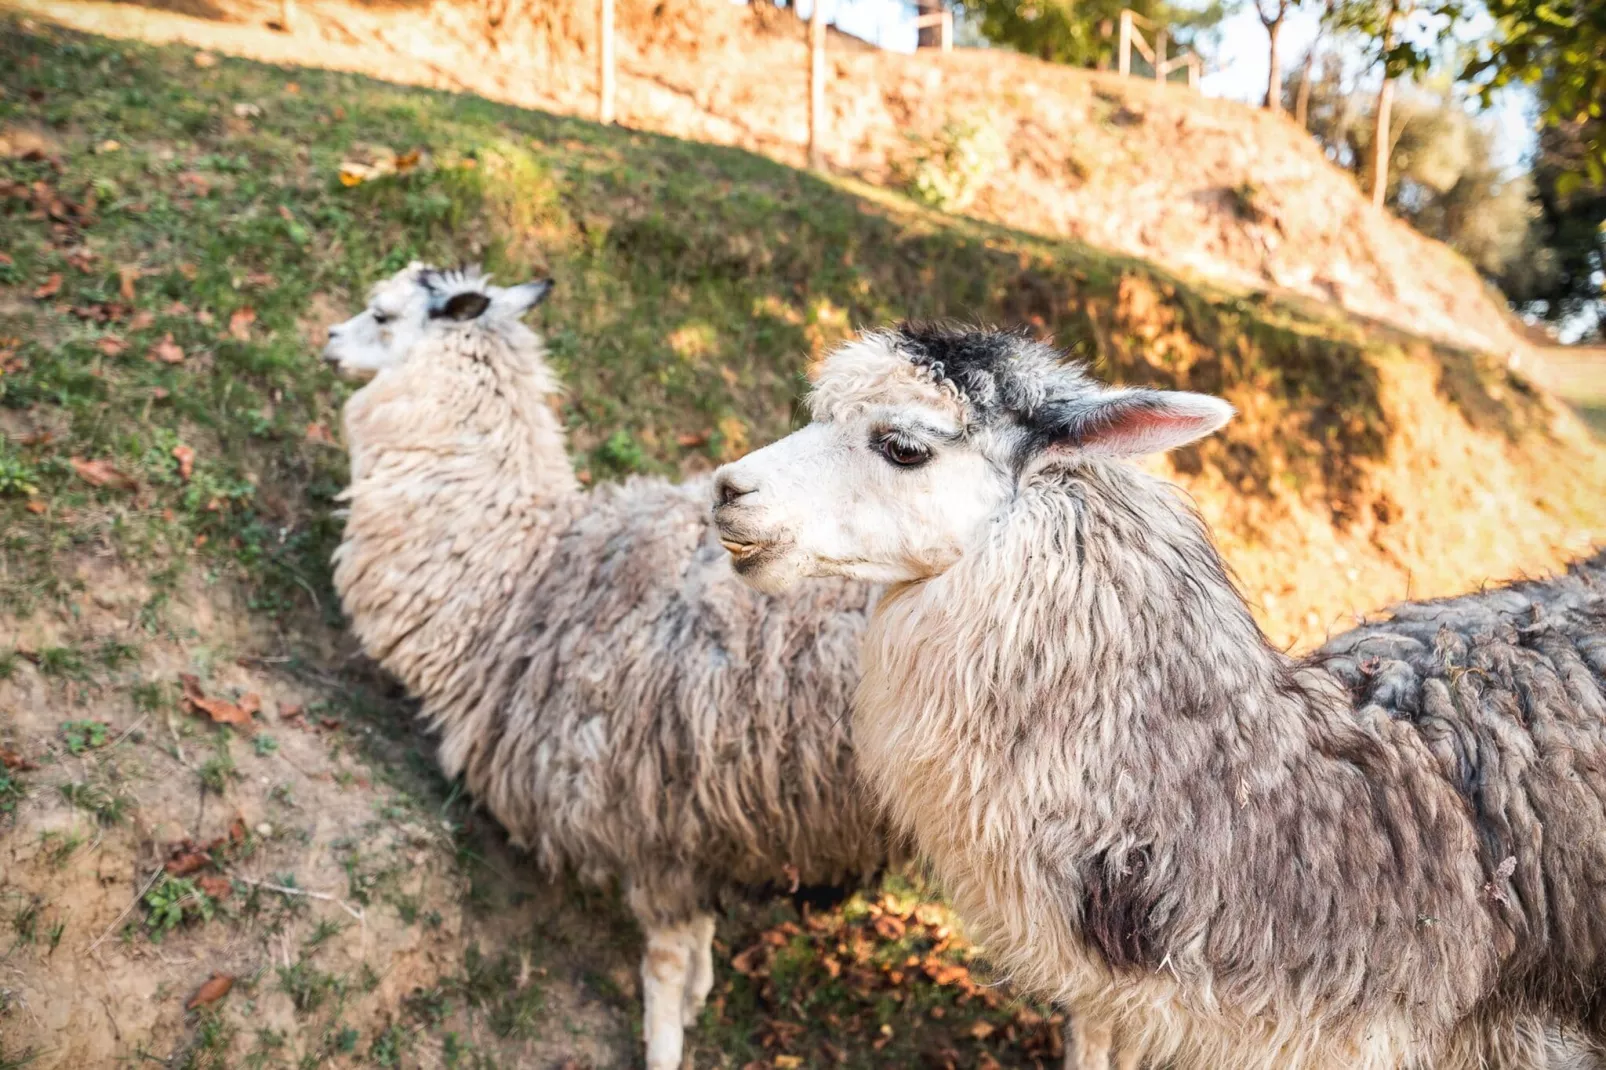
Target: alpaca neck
(1095,618)
(459,477)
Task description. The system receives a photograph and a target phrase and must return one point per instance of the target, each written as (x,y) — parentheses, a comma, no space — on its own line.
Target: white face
(885,485)
(897,477)
(381,335)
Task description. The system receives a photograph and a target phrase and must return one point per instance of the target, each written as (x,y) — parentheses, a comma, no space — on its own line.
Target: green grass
(693,283)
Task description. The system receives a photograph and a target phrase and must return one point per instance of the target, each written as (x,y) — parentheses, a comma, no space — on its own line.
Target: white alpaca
(1391,855)
(610,693)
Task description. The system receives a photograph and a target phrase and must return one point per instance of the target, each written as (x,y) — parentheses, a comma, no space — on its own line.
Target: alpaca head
(405,306)
(919,435)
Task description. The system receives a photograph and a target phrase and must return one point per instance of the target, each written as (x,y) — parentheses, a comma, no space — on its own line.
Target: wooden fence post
(1160,68)
(605,62)
(817,86)
(1124,49)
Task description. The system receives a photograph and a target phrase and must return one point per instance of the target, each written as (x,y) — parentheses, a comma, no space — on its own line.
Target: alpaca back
(1507,691)
(657,712)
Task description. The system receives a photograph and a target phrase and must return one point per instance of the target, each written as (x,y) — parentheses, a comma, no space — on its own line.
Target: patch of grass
(58,847)
(8,664)
(307,986)
(504,989)
(107,806)
(63,662)
(219,769)
(210,1045)
(264,745)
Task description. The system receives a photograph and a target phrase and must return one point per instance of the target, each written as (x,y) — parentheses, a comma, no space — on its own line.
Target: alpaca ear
(517,300)
(1133,423)
(462,306)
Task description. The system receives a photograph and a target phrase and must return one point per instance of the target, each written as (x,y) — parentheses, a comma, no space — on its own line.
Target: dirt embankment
(1209,187)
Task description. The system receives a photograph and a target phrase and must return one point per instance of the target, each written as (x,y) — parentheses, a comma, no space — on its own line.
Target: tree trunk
(1380,121)
(1274,78)
(930,36)
(1302,98)
(1380,141)
(817,86)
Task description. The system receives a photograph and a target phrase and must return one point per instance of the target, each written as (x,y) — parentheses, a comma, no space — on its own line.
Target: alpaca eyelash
(383,318)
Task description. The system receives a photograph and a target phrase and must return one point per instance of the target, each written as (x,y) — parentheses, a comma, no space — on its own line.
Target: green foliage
(1558,46)
(83,735)
(1446,177)
(948,170)
(172,902)
(1082,33)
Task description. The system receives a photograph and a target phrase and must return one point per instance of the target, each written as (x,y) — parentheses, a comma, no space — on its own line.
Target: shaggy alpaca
(610,693)
(1392,854)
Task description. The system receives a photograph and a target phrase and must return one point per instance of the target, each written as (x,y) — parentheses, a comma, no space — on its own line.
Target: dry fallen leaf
(142,319)
(982,1030)
(167,351)
(127,275)
(317,432)
(186,862)
(36,507)
(240,324)
(12,760)
(111,346)
(219,710)
(219,984)
(102,473)
(49,288)
(214,885)
(186,462)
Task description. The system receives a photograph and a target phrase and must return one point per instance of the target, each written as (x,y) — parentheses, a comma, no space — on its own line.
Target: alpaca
(1390,854)
(619,702)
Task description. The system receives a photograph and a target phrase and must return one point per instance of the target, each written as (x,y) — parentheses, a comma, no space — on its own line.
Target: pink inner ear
(1130,430)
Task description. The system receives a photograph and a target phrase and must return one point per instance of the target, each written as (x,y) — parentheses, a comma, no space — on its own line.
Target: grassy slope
(694,281)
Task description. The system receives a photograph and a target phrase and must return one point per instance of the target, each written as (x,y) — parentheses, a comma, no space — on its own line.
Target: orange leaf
(182,865)
(317,432)
(219,710)
(101,473)
(36,507)
(215,886)
(12,760)
(186,462)
(111,346)
(142,319)
(50,287)
(216,987)
(240,324)
(127,275)
(167,351)
(251,702)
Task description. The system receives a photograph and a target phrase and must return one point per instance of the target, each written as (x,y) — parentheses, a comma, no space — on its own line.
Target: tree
(1381,23)
(1308,67)
(1559,46)
(1272,13)
(1081,32)
(929,36)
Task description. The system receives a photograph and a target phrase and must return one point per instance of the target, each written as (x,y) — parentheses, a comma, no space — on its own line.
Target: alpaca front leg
(665,969)
(1088,1044)
(700,943)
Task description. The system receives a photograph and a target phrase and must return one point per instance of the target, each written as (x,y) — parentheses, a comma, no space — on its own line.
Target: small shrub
(947,170)
(172,902)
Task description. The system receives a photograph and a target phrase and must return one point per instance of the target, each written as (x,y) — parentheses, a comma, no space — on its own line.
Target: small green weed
(108,807)
(62,661)
(83,735)
(264,745)
(173,902)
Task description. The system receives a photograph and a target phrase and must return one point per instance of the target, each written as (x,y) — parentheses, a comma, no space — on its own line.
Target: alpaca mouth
(742,551)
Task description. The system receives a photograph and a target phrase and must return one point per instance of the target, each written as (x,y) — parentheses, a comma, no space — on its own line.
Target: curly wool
(1391,854)
(609,691)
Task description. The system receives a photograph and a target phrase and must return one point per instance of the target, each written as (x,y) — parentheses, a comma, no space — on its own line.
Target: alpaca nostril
(727,490)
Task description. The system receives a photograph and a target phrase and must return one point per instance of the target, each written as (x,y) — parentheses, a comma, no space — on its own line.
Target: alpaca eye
(902,452)
(382,318)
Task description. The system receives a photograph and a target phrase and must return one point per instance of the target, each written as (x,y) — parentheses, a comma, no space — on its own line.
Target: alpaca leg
(700,942)
(1087,1044)
(664,971)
